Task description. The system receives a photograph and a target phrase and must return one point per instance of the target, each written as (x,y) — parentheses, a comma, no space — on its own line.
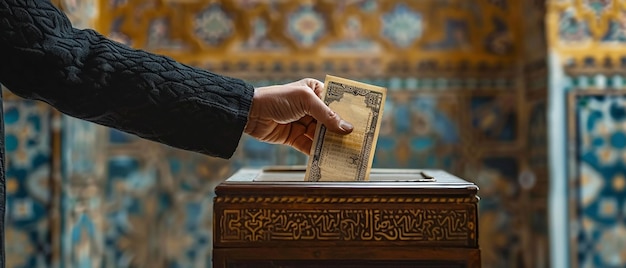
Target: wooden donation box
(399,218)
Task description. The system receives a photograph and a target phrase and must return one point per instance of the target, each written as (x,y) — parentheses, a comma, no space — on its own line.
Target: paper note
(349,157)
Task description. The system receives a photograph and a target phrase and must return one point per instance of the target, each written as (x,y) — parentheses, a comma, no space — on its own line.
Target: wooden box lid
(290,180)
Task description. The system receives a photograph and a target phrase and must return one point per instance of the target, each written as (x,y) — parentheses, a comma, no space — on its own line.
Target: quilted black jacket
(85,75)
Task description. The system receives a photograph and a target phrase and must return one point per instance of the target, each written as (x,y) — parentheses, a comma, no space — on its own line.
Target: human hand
(288,114)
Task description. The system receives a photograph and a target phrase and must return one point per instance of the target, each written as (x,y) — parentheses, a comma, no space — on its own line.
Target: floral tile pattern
(354,41)
(213,25)
(27,141)
(259,39)
(402,26)
(495,118)
(597,6)
(419,131)
(500,41)
(306,25)
(599,198)
(572,29)
(616,32)
(159,36)
(456,36)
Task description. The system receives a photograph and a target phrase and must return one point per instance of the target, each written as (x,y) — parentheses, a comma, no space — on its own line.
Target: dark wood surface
(346,257)
(275,219)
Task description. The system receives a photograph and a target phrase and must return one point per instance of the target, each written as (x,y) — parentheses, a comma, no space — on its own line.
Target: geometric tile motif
(594,56)
(418,131)
(365,26)
(494,117)
(82,220)
(368,5)
(151,203)
(27,141)
(159,35)
(259,38)
(306,26)
(597,6)
(354,40)
(152,206)
(572,29)
(499,207)
(116,33)
(213,25)
(600,181)
(616,32)
(500,40)
(456,36)
(402,26)
(81,13)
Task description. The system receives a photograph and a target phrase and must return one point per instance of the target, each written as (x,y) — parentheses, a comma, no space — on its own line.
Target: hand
(288,114)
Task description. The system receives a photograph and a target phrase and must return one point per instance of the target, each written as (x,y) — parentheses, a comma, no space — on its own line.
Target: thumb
(323,114)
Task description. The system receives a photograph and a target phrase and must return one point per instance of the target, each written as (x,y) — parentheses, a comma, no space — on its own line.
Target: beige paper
(349,157)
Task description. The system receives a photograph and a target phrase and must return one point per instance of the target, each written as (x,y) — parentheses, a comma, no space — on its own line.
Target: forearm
(85,75)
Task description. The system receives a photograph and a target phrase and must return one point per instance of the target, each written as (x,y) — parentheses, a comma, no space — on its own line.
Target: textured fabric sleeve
(85,75)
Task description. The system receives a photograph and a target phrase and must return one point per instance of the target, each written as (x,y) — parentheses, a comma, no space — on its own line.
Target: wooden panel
(347,257)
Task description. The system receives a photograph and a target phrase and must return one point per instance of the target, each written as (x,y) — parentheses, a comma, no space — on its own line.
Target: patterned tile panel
(584,29)
(259,39)
(572,29)
(479,33)
(82,202)
(587,42)
(27,141)
(616,32)
(494,118)
(306,25)
(597,6)
(213,25)
(598,201)
(419,130)
(402,26)
(141,194)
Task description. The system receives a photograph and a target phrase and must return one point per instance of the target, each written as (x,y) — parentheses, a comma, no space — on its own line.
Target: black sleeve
(85,75)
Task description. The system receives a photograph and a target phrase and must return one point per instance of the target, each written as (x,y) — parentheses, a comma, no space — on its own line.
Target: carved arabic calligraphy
(257,225)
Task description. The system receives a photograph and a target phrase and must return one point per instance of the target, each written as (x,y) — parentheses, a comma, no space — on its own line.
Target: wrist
(251,121)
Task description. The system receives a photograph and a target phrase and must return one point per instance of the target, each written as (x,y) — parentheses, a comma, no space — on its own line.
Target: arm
(85,75)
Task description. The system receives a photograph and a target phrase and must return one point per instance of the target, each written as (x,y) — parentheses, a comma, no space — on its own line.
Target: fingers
(322,113)
(307,126)
(288,114)
(317,86)
(301,134)
(303,144)
(314,84)
(328,117)
(310,130)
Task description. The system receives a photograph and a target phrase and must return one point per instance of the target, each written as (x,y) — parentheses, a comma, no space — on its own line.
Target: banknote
(349,157)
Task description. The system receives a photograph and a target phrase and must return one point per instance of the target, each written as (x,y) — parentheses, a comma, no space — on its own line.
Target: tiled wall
(467,94)
(28,154)
(587,132)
